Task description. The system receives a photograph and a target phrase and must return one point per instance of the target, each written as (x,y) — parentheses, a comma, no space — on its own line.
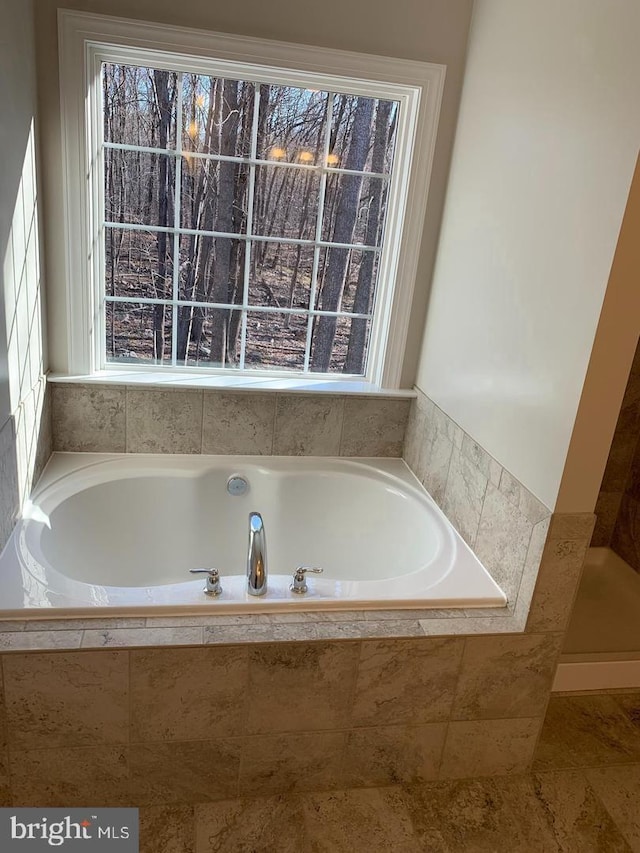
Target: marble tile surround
(502,521)
(192,725)
(117,418)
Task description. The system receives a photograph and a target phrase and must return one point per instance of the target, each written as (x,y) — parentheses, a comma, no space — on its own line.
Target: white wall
(22,350)
(426,30)
(545,148)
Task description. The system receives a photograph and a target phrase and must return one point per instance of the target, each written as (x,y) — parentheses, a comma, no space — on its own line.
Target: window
(243,211)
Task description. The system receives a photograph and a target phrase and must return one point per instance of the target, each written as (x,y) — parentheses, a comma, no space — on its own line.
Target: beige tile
(88,418)
(308,426)
(506,676)
(463,496)
(40,640)
(434,459)
(261,825)
(618,789)
(392,628)
(629,703)
(528,504)
(303,685)
(91,623)
(389,755)
(586,731)
(607,508)
(424,403)
(310,761)
(194,772)
(262,633)
(556,586)
(164,421)
(481,460)
(238,423)
(414,437)
(578,820)
(188,694)
(406,681)
(69,778)
(489,747)
(500,815)
(568,525)
(503,541)
(531,568)
(167,829)
(132,637)
(445,424)
(434,462)
(74,699)
(373,426)
(359,821)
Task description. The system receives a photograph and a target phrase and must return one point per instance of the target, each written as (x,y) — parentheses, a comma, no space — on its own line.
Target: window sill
(290,385)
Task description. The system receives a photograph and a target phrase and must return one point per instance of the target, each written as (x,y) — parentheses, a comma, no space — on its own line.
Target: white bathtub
(120,532)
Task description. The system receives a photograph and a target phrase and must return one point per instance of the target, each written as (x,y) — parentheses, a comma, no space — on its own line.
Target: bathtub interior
(151,528)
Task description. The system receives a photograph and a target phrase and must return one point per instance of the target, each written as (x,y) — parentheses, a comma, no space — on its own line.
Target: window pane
(208,337)
(344,341)
(139,105)
(286,202)
(362,133)
(355,208)
(276,341)
(214,195)
(291,124)
(211,269)
(355,272)
(217,115)
(281,275)
(138,263)
(138,333)
(139,187)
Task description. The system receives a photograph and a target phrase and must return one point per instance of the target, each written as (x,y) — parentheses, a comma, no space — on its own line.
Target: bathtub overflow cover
(237,485)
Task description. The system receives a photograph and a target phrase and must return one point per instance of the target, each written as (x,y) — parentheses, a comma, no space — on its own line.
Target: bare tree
(347,207)
(364,289)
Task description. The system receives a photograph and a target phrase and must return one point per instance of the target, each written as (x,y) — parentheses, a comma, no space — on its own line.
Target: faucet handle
(299,584)
(213,585)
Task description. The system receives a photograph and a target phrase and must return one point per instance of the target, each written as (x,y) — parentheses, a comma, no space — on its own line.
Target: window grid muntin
(256,238)
(249,161)
(324,170)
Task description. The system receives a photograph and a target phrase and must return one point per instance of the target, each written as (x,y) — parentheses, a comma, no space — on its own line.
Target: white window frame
(87,40)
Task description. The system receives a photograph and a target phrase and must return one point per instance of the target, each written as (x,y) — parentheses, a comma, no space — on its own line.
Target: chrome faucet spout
(257,556)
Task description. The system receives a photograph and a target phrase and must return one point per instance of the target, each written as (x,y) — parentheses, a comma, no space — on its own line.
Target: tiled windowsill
(182,380)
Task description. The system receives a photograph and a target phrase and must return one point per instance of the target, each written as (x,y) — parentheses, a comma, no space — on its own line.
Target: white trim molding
(86,40)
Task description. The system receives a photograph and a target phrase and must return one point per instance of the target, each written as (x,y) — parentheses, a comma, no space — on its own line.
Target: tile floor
(583,796)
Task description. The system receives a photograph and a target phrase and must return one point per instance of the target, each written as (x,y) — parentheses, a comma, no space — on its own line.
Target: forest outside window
(239,207)
(243,221)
